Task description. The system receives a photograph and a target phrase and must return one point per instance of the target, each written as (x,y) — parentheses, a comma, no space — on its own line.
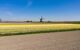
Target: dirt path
(48,41)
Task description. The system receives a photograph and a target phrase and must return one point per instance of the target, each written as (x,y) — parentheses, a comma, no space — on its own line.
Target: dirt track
(45,41)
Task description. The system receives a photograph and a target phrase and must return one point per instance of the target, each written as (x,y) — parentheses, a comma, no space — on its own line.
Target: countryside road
(46,41)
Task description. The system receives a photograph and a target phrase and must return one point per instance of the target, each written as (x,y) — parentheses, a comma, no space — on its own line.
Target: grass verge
(38,32)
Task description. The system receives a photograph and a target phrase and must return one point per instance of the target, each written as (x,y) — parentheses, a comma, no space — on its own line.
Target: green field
(21,28)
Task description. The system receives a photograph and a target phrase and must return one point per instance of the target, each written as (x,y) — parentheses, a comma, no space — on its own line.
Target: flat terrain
(19,28)
(49,41)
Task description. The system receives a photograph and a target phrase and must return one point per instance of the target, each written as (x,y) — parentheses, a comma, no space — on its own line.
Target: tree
(0,20)
(41,19)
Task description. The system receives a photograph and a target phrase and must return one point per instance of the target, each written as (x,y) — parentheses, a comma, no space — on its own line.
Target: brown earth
(46,41)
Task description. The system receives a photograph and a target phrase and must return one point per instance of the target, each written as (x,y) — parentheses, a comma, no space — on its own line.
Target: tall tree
(0,20)
(41,19)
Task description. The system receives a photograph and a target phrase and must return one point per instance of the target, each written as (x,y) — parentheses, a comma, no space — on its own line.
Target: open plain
(30,28)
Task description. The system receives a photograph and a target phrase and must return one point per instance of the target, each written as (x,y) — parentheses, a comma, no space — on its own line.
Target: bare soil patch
(49,41)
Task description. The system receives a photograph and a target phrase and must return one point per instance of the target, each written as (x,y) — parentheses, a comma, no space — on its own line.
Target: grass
(33,28)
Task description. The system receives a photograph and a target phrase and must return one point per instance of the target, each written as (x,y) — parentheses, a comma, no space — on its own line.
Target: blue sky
(54,10)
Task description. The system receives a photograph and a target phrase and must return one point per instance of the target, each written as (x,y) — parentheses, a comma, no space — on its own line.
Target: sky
(51,10)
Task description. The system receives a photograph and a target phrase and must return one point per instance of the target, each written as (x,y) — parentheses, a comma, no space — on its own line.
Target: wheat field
(13,28)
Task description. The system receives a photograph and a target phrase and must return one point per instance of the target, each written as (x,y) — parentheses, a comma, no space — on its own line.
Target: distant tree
(0,20)
(49,21)
(41,19)
(28,21)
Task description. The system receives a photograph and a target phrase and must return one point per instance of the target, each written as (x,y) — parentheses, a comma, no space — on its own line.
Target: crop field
(20,28)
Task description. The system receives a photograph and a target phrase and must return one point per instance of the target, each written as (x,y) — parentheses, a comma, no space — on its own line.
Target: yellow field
(22,28)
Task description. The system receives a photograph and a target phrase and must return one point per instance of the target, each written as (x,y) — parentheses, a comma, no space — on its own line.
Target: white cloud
(6,11)
(29,3)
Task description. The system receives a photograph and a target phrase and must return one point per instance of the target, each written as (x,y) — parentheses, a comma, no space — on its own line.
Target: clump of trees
(28,21)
